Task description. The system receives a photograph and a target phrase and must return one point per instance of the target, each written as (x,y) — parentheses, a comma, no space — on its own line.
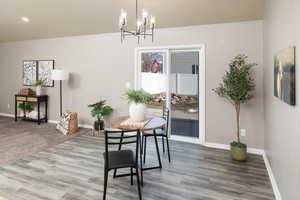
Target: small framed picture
(45,68)
(29,72)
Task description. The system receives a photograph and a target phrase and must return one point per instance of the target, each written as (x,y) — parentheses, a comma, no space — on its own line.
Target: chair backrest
(166,116)
(155,123)
(119,138)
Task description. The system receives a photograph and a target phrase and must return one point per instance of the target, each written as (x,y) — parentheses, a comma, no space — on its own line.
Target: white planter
(39,90)
(137,111)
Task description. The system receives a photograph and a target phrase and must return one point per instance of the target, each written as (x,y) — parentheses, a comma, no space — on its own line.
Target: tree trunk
(237,109)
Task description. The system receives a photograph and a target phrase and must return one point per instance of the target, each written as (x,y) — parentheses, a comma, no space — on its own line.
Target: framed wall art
(38,70)
(284,76)
(29,72)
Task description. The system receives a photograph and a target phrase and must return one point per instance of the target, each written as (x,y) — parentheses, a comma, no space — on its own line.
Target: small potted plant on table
(137,100)
(237,87)
(38,84)
(100,110)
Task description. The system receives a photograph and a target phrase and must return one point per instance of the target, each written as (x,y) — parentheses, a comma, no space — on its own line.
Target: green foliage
(238,144)
(238,82)
(25,107)
(137,96)
(100,109)
(238,85)
(39,82)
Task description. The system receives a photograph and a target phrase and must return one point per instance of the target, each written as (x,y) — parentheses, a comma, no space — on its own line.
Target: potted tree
(237,87)
(137,100)
(100,110)
(38,84)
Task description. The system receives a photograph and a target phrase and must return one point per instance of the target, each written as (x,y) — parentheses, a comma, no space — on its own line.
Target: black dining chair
(124,158)
(161,132)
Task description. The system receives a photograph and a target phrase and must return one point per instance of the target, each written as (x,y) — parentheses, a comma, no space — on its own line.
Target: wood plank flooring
(73,170)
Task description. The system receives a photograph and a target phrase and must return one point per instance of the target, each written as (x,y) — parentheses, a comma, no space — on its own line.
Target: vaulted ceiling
(60,18)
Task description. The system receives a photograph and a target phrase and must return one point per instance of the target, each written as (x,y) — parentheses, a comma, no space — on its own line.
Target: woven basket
(73,124)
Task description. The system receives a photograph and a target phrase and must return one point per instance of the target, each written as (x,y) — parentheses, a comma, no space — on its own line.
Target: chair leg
(105,183)
(163,143)
(142,144)
(131,171)
(157,151)
(168,147)
(138,183)
(145,147)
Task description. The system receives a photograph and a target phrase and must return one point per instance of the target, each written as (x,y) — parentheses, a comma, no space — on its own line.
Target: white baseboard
(272,177)
(207,144)
(50,121)
(80,125)
(7,115)
(227,147)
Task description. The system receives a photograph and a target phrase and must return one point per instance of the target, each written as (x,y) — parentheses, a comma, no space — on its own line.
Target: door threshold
(185,139)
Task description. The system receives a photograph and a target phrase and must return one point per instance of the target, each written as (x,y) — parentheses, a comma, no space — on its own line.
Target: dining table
(125,123)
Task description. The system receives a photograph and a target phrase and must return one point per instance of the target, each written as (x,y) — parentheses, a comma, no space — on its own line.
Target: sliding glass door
(172,77)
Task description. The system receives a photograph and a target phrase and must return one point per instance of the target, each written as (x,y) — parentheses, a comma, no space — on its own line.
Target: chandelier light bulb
(123,13)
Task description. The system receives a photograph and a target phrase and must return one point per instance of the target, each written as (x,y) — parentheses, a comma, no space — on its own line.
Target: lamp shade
(59,75)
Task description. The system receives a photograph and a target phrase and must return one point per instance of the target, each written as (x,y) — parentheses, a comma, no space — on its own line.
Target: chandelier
(144,25)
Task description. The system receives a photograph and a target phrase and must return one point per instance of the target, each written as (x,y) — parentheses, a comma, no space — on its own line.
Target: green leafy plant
(100,109)
(137,96)
(25,107)
(39,82)
(237,87)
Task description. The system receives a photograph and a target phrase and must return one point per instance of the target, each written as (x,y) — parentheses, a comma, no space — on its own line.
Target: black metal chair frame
(166,114)
(123,139)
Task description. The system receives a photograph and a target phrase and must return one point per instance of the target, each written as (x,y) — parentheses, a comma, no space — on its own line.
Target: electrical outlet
(8,106)
(243,132)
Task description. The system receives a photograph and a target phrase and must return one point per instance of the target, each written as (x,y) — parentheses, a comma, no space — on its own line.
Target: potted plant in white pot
(38,84)
(137,107)
(100,110)
(237,87)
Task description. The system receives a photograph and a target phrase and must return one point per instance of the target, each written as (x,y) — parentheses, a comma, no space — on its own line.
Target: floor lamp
(60,75)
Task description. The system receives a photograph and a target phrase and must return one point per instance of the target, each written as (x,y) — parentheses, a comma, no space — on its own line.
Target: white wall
(101,65)
(282,122)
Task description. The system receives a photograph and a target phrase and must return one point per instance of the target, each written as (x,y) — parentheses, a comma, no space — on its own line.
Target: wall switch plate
(8,106)
(243,132)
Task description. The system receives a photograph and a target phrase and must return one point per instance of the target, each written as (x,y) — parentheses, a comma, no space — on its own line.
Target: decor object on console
(25,108)
(68,123)
(237,87)
(100,110)
(285,76)
(26,91)
(34,70)
(137,100)
(60,75)
(38,84)
(141,25)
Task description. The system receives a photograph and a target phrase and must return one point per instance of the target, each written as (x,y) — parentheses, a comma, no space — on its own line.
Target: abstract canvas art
(29,72)
(45,68)
(284,76)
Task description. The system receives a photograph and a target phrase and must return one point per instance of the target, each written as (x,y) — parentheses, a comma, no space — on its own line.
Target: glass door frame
(202,64)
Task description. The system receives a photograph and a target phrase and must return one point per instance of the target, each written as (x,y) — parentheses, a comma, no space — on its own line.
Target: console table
(32,99)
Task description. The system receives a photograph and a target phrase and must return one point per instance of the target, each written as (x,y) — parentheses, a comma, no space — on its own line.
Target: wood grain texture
(73,170)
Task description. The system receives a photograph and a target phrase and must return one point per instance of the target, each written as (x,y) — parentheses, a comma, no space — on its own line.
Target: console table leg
(39,117)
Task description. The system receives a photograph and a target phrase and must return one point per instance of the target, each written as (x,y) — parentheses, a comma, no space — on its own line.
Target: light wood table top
(125,123)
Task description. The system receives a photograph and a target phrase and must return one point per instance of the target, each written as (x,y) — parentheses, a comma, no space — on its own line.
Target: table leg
(16,110)
(39,120)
